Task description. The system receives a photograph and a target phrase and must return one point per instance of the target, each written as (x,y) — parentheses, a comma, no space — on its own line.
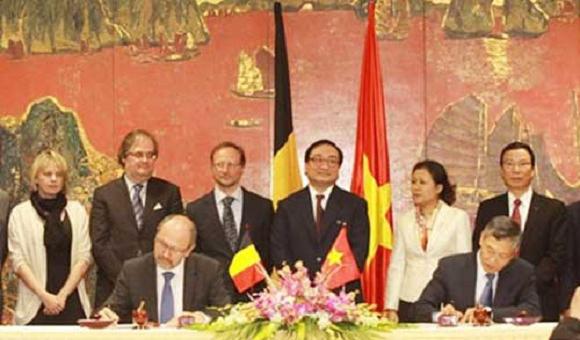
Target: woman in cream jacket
(48,241)
(431,230)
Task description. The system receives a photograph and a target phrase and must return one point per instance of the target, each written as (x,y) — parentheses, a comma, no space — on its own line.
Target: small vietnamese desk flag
(246,268)
(340,264)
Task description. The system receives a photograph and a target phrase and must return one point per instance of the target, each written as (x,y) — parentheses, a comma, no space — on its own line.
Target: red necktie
(319,213)
(516,217)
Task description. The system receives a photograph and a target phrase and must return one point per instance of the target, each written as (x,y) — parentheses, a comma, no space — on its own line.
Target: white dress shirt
(526,199)
(237,203)
(176,286)
(313,194)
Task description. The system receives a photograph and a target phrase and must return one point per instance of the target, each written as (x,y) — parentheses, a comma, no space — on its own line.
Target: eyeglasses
(330,162)
(513,165)
(167,247)
(226,165)
(143,155)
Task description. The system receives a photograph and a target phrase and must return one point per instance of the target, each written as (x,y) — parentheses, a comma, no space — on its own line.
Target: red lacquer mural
(196,82)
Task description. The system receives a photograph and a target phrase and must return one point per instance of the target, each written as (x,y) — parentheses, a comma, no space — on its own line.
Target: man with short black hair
(307,222)
(541,220)
(492,277)
(127,210)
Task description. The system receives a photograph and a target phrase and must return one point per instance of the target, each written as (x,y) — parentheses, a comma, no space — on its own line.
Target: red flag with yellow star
(340,264)
(370,178)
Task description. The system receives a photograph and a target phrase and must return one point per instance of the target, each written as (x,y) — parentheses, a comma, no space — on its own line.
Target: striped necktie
(486,298)
(137,204)
(229,223)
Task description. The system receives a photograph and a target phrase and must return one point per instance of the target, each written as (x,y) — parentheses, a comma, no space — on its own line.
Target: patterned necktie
(319,213)
(137,204)
(516,217)
(167,307)
(486,298)
(230,223)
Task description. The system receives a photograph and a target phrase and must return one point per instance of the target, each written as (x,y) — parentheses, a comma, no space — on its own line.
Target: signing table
(540,331)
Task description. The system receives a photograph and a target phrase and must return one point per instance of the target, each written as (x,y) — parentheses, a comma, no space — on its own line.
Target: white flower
(368,320)
(323,320)
(276,318)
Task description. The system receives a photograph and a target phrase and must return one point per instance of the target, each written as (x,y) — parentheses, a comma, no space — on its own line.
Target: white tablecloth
(540,331)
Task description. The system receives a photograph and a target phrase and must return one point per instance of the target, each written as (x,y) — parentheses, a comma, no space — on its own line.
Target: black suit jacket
(294,236)
(572,275)
(567,329)
(4,209)
(257,214)
(543,244)
(454,282)
(203,287)
(113,228)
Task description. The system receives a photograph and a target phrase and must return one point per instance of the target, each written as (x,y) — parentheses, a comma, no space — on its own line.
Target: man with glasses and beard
(171,281)
(230,215)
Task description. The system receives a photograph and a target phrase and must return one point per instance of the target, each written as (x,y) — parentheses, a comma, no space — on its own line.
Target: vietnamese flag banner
(340,264)
(370,178)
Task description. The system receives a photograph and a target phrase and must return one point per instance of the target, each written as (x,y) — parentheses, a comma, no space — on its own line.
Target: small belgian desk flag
(246,269)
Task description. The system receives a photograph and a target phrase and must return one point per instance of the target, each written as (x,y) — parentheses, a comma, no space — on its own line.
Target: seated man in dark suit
(571,278)
(493,277)
(569,327)
(172,281)
(307,222)
(541,218)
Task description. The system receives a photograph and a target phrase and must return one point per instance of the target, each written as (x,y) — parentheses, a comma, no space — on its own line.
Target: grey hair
(503,227)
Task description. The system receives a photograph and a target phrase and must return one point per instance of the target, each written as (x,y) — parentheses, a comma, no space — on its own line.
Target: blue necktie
(137,204)
(167,306)
(486,298)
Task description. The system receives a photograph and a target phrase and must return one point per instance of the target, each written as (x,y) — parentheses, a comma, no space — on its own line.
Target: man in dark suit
(307,222)
(572,276)
(492,277)
(569,327)
(4,208)
(542,221)
(171,281)
(252,214)
(127,210)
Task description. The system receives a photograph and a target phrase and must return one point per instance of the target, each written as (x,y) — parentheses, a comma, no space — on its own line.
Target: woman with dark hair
(431,230)
(50,248)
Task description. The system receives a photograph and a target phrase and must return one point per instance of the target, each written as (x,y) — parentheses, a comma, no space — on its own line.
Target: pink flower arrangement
(291,296)
(294,304)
